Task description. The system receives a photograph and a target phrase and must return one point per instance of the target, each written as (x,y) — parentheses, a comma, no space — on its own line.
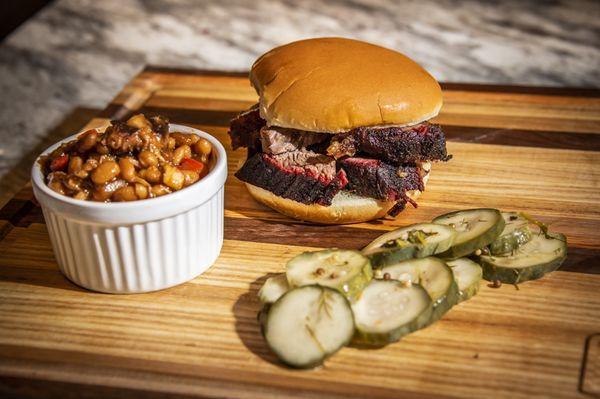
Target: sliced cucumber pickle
(345,270)
(273,288)
(308,324)
(541,255)
(432,274)
(388,310)
(516,233)
(467,275)
(414,241)
(476,228)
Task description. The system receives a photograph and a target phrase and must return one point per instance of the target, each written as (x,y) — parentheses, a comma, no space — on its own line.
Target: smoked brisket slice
(382,181)
(302,176)
(423,142)
(277,140)
(244,129)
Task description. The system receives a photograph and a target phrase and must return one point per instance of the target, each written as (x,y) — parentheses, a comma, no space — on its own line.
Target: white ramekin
(137,246)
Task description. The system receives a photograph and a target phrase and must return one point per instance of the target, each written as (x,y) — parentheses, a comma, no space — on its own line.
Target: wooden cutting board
(525,148)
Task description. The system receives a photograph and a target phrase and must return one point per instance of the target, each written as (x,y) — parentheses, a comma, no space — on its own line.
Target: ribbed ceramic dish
(137,246)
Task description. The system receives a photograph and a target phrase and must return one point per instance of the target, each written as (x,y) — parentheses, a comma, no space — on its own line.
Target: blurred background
(62,61)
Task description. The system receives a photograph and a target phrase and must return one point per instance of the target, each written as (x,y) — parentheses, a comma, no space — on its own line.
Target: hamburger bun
(346,207)
(332,85)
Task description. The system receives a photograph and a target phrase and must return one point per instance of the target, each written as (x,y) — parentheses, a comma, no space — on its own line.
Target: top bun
(332,85)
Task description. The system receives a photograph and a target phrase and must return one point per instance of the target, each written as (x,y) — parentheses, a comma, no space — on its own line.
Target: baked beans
(131,160)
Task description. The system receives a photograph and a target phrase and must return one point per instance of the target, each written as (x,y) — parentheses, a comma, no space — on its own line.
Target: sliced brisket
(244,129)
(423,142)
(396,145)
(377,179)
(302,176)
(277,140)
(290,163)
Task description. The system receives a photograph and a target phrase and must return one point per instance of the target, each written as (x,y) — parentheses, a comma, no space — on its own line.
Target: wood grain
(532,149)
(523,138)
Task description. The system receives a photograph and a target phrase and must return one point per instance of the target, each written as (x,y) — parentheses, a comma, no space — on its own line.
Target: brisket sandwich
(340,133)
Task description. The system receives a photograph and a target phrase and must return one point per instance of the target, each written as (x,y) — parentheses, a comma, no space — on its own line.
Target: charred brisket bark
(379,180)
(301,176)
(244,129)
(423,142)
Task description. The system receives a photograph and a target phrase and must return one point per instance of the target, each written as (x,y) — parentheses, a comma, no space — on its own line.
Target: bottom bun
(345,208)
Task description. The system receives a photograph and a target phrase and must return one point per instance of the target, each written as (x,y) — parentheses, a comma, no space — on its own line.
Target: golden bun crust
(346,207)
(334,84)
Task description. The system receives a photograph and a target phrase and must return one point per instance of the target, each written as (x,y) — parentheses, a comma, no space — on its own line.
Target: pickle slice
(467,275)
(476,228)
(273,288)
(541,255)
(347,271)
(308,324)
(516,233)
(432,274)
(414,241)
(388,310)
